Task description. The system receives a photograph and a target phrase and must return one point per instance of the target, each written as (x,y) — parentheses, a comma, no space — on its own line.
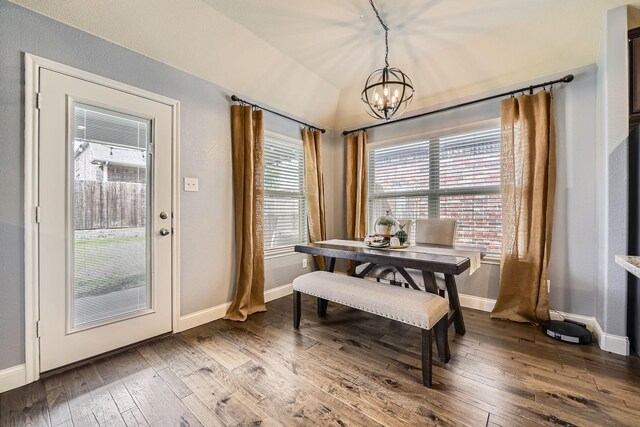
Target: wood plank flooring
(351,368)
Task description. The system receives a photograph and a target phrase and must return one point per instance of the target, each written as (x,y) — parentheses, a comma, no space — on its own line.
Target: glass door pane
(109,216)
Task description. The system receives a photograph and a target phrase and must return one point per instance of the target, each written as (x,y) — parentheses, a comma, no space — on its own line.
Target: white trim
(278,137)
(487,305)
(33,64)
(13,377)
(289,251)
(609,342)
(48,64)
(214,313)
(279,292)
(491,259)
(588,321)
(477,303)
(201,317)
(31,248)
(175,221)
(424,136)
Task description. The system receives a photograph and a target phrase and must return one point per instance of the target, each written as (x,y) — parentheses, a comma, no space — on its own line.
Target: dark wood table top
(439,263)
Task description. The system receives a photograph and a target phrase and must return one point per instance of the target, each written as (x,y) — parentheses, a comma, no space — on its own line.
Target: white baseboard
(214,313)
(477,303)
(588,321)
(201,317)
(13,377)
(609,342)
(279,292)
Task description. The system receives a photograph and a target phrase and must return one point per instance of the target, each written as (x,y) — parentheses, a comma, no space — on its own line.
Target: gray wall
(572,268)
(207,254)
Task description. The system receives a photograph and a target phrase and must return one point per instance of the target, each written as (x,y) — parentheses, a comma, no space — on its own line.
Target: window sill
(491,259)
(280,254)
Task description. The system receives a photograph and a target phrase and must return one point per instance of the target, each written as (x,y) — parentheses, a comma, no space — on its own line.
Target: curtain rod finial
(568,78)
(234,98)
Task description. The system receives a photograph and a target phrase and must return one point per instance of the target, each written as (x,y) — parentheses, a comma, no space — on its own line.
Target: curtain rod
(566,79)
(242,101)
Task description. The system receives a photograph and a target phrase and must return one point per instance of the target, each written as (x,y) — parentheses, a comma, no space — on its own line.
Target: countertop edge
(629,263)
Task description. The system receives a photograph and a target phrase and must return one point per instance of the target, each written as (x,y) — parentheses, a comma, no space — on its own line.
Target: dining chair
(436,231)
(428,231)
(433,232)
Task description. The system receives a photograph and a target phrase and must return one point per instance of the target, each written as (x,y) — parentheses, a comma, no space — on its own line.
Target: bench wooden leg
(427,357)
(442,340)
(322,307)
(297,309)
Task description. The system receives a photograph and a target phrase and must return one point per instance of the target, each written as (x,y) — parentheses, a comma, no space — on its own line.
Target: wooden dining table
(451,262)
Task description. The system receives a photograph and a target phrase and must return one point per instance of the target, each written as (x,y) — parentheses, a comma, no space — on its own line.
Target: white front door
(105,202)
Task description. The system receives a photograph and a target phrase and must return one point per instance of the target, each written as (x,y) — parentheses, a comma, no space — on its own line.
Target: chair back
(436,231)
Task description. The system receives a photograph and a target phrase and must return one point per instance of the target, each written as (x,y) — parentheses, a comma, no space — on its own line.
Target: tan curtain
(528,180)
(314,187)
(247,141)
(357,189)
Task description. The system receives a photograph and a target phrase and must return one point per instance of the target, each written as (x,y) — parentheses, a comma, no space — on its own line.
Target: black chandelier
(387,91)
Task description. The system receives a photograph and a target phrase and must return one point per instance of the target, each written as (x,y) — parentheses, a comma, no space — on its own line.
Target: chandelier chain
(386,33)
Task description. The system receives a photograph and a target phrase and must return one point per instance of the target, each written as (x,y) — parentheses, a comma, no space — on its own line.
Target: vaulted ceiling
(310,58)
(449,48)
(342,42)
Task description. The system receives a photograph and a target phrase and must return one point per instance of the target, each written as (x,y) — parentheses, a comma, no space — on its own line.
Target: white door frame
(33,64)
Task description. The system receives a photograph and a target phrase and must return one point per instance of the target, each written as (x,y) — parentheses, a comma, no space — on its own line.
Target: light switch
(191,184)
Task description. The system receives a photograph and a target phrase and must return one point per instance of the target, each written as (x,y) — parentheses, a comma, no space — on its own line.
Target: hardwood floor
(351,368)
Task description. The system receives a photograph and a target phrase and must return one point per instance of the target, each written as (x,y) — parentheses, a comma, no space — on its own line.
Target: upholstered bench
(417,308)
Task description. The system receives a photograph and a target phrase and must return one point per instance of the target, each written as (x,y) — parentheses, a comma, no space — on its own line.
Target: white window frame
(289,249)
(491,258)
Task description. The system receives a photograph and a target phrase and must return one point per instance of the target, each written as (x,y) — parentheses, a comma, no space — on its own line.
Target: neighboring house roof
(101,153)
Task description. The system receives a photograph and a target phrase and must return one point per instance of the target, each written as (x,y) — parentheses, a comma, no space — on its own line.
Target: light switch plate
(191,184)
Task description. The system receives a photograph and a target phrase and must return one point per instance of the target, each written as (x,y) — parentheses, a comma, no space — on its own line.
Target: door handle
(164,215)
(164,232)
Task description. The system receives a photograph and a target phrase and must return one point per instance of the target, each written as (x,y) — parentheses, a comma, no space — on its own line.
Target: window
(285,213)
(451,176)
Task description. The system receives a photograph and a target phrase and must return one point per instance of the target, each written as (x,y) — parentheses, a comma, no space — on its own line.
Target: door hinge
(38,329)
(38,100)
(37,214)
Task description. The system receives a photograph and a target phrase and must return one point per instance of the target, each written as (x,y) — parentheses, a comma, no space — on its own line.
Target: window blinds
(285,219)
(97,125)
(453,176)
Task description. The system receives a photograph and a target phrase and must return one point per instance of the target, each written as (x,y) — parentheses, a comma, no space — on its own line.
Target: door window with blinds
(450,176)
(285,213)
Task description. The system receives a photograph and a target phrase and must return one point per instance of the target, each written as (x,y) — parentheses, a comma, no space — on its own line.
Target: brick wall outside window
(452,176)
